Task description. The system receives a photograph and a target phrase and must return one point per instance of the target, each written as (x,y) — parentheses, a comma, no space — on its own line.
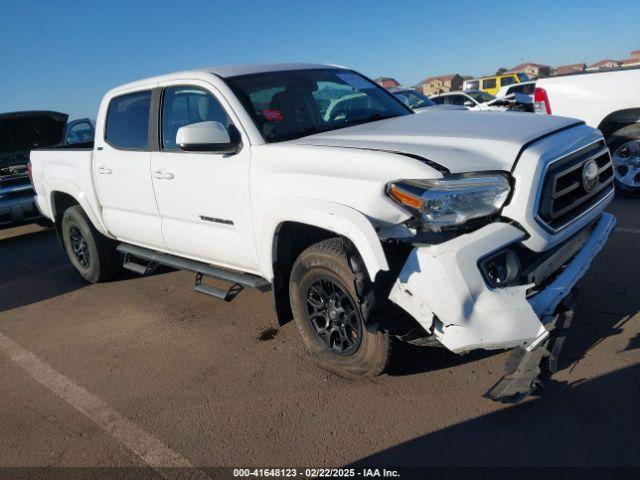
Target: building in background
(387,82)
(634,61)
(533,70)
(603,64)
(440,84)
(573,68)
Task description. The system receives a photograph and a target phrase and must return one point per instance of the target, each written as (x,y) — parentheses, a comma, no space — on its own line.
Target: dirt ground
(215,385)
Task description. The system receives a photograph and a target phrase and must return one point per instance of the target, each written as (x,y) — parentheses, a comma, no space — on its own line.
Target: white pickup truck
(370,225)
(607,100)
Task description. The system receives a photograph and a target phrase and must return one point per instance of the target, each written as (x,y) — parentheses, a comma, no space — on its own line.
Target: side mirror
(206,137)
(469,104)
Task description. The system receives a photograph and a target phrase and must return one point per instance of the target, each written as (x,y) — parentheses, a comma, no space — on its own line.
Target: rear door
(203,197)
(121,170)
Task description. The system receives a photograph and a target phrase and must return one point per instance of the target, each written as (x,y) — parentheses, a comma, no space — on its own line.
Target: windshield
(414,99)
(523,77)
(293,104)
(481,97)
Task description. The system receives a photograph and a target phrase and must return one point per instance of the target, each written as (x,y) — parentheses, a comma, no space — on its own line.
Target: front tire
(337,328)
(92,254)
(624,145)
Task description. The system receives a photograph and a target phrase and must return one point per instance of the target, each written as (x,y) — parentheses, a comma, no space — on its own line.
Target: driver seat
(296,109)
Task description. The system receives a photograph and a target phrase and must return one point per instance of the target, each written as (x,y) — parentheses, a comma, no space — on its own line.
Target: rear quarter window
(127,124)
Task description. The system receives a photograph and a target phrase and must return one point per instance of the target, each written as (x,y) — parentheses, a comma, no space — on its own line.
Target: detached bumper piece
(527,368)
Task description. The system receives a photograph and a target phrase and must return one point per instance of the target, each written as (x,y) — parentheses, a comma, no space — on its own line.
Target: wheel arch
(64,194)
(295,224)
(618,119)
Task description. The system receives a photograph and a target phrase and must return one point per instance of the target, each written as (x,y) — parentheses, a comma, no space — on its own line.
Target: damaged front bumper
(442,287)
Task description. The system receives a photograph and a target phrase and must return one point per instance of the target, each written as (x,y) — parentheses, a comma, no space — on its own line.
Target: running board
(154,258)
(226,295)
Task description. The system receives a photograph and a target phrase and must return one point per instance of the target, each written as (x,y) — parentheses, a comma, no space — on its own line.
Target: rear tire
(334,320)
(624,144)
(92,254)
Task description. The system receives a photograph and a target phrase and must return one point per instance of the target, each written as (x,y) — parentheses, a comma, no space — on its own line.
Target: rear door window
(127,125)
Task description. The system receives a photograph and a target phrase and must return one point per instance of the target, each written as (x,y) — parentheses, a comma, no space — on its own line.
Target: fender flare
(334,217)
(69,188)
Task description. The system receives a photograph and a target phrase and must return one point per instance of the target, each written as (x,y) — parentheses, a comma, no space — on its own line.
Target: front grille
(564,196)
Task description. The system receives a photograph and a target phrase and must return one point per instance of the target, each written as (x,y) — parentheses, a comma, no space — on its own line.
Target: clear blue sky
(63,55)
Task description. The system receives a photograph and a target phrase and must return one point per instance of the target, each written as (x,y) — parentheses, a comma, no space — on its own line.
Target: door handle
(162,175)
(104,170)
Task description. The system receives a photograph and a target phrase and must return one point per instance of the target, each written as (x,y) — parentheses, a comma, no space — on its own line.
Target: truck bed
(69,162)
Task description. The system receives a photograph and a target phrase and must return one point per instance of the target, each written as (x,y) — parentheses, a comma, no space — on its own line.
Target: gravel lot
(216,385)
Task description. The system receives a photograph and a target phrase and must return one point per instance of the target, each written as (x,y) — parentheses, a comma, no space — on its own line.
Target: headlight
(451,201)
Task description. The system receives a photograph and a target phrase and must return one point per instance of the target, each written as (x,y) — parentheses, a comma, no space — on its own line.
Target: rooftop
(226,71)
(444,78)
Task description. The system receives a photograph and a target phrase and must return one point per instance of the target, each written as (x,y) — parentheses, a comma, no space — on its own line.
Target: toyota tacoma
(369,223)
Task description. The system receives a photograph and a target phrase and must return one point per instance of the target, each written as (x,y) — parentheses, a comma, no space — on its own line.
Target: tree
(501,70)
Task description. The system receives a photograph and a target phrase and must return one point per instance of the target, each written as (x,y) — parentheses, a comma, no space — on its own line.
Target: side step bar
(238,280)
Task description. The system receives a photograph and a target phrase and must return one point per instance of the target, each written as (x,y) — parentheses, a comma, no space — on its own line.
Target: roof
(444,78)
(385,79)
(635,53)
(603,62)
(522,66)
(572,65)
(630,61)
(226,71)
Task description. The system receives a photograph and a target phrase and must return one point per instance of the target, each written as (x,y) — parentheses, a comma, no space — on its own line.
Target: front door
(203,197)
(121,171)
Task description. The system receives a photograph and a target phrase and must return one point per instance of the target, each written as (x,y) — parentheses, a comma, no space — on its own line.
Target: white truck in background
(369,223)
(608,101)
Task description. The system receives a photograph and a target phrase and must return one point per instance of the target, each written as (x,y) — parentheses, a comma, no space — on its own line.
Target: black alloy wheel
(334,316)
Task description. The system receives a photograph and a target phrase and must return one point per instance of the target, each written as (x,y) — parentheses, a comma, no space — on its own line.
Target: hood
(457,140)
(21,132)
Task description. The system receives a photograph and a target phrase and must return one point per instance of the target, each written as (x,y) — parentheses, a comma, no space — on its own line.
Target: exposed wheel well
(290,239)
(60,202)
(616,120)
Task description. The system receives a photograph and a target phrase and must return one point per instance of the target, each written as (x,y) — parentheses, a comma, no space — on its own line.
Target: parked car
(379,225)
(494,83)
(479,100)
(524,88)
(79,131)
(607,100)
(418,102)
(19,133)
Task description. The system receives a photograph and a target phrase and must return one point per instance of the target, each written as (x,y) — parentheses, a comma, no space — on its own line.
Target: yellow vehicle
(493,84)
